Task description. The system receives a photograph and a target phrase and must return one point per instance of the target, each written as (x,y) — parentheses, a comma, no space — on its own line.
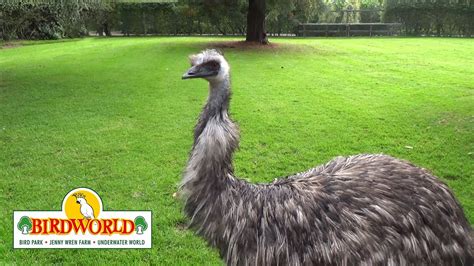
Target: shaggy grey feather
(357,210)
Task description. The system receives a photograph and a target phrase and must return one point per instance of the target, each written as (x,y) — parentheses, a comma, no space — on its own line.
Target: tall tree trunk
(107,29)
(100,30)
(145,30)
(256,22)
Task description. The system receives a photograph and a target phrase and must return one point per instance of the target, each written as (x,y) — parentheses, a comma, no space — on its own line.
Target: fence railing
(348,29)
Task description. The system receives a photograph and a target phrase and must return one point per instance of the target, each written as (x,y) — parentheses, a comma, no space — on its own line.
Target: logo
(82,223)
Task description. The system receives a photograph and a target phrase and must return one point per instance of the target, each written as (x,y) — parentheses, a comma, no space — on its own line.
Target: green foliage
(103,18)
(371,11)
(211,16)
(432,17)
(58,19)
(224,17)
(45,19)
(335,11)
(284,16)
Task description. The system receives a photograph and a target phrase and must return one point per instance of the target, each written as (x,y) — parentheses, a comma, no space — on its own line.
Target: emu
(369,209)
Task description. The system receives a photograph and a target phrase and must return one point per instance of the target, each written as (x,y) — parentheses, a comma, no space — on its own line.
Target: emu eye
(212,65)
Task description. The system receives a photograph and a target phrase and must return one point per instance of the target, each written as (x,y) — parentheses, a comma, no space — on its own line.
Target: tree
(140,225)
(45,19)
(256,22)
(24,225)
(371,11)
(281,14)
(432,17)
(219,16)
(284,16)
(103,17)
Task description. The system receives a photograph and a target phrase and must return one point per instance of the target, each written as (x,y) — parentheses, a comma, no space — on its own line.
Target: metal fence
(348,29)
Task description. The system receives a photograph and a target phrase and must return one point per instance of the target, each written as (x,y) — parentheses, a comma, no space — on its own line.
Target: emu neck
(215,139)
(217,102)
(217,105)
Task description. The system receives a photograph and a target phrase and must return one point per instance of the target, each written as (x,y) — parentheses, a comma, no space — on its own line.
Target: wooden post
(347,23)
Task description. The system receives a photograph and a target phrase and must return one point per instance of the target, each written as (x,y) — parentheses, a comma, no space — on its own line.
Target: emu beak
(198,72)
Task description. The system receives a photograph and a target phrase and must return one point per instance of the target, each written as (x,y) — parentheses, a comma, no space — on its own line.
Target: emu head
(209,64)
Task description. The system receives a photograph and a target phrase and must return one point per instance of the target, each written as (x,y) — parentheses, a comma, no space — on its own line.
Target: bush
(45,19)
(432,17)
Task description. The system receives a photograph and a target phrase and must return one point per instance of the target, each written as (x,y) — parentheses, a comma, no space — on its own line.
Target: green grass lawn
(115,116)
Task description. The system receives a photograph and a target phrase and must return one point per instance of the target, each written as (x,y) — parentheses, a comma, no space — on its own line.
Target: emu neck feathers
(215,139)
(216,107)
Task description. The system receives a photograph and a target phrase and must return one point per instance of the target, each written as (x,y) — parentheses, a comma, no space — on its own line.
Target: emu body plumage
(357,210)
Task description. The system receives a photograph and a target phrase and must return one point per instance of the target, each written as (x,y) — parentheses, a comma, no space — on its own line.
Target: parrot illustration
(86,209)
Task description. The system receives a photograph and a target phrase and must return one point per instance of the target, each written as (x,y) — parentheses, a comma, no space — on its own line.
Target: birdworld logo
(82,223)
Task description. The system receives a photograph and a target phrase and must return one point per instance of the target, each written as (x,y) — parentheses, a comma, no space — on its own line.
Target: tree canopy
(60,19)
(429,17)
